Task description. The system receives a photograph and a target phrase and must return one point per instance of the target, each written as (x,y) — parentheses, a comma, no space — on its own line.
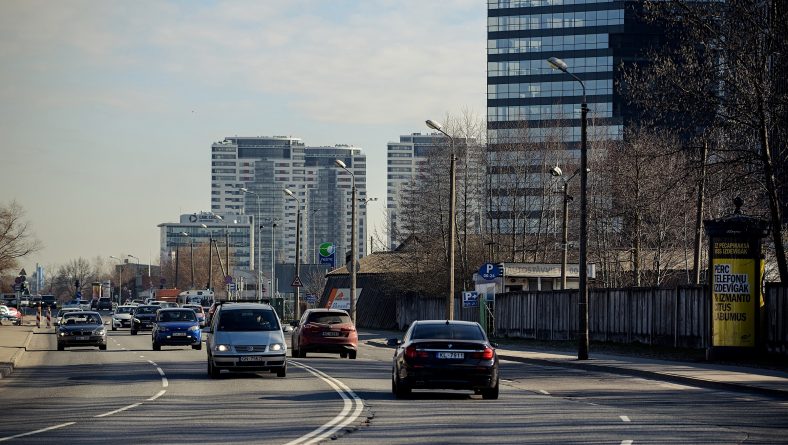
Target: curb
(6,368)
(600,367)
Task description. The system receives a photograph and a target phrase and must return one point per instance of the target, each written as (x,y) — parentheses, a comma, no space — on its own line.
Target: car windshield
(248,320)
(328,318)
(81,319)
(451,331)
(123,310)
(167,316)
(193,307)
(146,309)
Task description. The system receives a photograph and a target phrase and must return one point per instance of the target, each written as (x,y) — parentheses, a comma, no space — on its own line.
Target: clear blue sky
(108,108)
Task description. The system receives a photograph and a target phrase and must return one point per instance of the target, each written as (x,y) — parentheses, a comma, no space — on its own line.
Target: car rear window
(166,316)
(328,318)
(448,332)
(247,320)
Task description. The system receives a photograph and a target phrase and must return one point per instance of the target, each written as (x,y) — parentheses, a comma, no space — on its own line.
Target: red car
(10,313)
(324,330)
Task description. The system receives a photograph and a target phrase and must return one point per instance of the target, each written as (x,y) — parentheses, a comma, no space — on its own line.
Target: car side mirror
(393,342)
(287,328)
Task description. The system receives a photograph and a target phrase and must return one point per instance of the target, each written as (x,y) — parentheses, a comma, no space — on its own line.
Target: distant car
(324,330)
(442,354)
(163,303)
(11,314)
(121,317)
(104,304)
(246,337)
(142,318)
(198,310)
(59,317)
(48,301)
(176,327)
(81,328)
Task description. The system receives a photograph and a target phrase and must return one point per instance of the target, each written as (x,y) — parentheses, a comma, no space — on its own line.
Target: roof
(381,262)
(449,322)
(234,305)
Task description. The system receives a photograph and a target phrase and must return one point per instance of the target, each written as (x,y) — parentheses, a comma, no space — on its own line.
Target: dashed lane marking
(544,392)
(626,442)
(624,419)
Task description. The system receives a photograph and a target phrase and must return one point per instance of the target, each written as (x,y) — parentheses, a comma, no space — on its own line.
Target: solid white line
(324,432)
(624,419)
(43,430)
(161,373)
(626,442)
(161,393)
(119,410)
(544,392)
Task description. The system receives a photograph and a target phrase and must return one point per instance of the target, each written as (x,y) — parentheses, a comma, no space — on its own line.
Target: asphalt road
(132,394)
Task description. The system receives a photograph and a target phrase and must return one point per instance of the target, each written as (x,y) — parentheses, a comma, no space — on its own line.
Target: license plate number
(179,334)
(82,338)
(252,359)
(451,355)
(330,334)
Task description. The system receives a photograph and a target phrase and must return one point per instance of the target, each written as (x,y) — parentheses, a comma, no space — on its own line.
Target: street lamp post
(136,271)
(365,201)
(314,246)
(297,309)
(583,337)
(191,255)
(210,254)
(120,278)
(452,218)
(353,260)
(259,243)
(273,263)
(556,171)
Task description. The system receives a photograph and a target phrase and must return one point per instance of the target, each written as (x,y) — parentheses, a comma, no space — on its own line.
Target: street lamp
(210,254)
(259,245)
(557,172)
(191,255)
(297,310)
(136,271)
(452,219)
(365,201)
(120,278)
(583,337)
(342,165)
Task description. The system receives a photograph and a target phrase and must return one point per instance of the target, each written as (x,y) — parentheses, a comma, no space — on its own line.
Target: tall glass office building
(530,103)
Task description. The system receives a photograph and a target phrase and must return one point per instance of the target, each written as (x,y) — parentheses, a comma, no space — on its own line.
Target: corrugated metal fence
(676,317)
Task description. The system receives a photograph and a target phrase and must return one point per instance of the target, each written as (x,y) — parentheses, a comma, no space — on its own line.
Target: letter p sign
(489,271)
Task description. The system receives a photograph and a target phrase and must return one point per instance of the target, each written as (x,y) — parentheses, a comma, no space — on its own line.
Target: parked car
(59,316)
(176,327)
(324,330)
(11,314)
(121,317)
(442,354)
(142,318)
(198,310)
(81,328)
(246,337)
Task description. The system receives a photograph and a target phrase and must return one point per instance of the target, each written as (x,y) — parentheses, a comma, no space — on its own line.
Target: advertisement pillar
(735,284)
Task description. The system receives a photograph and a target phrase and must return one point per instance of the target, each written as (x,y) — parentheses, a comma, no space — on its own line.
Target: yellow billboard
(735,299)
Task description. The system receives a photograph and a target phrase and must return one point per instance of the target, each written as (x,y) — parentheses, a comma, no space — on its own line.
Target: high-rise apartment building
(249,175)
(529,102)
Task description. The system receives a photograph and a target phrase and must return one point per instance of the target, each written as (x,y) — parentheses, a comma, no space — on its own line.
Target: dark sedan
(143,318)
(439,354)
(81,328)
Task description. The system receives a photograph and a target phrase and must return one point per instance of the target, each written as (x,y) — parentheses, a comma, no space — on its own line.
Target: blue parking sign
(470,299)
(489,271)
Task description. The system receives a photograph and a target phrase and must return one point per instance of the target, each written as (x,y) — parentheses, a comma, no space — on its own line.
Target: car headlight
(136,320)
(276,347)
(221,348)
(99,331)
(194,328)
(62,334)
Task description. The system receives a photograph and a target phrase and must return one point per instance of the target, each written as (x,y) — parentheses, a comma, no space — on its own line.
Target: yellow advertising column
(735,283)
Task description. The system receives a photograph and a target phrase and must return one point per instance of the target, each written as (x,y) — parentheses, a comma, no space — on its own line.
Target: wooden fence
(677,317)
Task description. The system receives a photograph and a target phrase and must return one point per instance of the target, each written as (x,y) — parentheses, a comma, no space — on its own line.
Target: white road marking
(674,386)
(161,373)
(544,392)
(626,442)
(337,423)
(119,410)
(42,430)
(624,419)
(161,393)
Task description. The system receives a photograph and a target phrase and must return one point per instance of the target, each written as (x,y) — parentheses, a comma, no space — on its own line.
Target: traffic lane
(53,387)
(639,399)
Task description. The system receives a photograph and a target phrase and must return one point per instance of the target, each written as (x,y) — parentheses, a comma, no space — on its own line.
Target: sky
(108,109)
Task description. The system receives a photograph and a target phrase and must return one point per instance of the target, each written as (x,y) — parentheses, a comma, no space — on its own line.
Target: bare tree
(16,239)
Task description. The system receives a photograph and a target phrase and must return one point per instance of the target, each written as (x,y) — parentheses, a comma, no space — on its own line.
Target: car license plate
(330,334)
(82,338)
(451,355)
(179,334)
(252,358)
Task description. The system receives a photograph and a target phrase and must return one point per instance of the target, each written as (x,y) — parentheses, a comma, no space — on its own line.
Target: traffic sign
(297,282)
(470,299)
(22,273)
(228,279)
(489,271)
(311,298)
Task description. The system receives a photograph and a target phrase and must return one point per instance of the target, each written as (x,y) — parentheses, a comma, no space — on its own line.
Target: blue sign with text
(490,271)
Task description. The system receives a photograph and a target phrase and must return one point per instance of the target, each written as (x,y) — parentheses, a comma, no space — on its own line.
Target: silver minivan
(246,337)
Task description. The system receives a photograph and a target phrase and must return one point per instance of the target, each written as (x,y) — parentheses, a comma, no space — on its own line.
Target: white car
(121,317)
(62,312)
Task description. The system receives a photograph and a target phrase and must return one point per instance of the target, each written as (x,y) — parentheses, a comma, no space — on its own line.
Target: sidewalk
(13,342)
(767,382)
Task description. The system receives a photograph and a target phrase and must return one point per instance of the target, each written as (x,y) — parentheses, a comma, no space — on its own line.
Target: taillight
(487,354)
(411,353)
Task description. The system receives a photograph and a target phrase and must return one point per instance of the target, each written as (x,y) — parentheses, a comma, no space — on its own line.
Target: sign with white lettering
(735,292)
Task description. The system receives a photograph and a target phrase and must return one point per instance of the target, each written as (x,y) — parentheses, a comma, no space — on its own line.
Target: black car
(104,304)
(441,354)
(81,328)
(143,317)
